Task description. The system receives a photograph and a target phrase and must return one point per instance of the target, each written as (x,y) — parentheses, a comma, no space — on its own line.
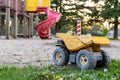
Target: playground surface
(38,52)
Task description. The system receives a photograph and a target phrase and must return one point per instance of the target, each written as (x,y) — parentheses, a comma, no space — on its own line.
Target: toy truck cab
(84,51)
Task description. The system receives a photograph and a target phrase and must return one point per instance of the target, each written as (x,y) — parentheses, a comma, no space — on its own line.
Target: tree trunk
(116,23)
(116,28)
(57,27)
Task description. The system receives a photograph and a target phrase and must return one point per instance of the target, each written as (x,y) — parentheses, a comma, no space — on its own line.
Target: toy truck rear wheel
(85,59)
(105,59)
(60,56)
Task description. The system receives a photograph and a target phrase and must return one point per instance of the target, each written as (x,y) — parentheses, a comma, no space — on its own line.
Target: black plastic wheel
(73,63)
(105,61)
(60,56)
(85,59)
(106,58)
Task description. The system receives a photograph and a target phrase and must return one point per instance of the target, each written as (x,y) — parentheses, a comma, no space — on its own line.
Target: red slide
(43,27)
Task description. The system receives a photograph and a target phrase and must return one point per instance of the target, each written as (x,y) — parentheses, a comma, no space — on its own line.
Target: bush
(105,31)
(85,30)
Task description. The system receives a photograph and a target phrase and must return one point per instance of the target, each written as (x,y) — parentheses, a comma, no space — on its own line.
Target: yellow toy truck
(83,50)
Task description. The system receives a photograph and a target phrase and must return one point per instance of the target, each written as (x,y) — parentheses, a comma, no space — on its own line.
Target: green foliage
(109,13)
(94,12)
(70,15)
(69,72)
(111,9)
(105,31)
(95,30)
(98,14)
(42,17)
(85,30)
(10,73)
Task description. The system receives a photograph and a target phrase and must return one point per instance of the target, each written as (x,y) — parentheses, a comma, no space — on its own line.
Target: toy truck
(84,51)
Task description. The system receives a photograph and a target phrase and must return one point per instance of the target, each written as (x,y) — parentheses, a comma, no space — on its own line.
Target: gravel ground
(37,52)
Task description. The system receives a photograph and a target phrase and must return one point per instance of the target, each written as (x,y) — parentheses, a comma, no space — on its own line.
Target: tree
(57,6)
(112,10)
(69,10)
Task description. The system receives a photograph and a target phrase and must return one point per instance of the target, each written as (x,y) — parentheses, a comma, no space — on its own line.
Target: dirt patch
(38,52)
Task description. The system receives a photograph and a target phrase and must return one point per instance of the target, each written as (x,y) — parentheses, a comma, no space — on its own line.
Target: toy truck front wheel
(85,59)
(60,56)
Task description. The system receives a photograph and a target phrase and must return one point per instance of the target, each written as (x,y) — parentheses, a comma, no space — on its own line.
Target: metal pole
(31,25)
(36,22)
(24,28)
(7,19)
(79,26)
(15,20)
(37,18)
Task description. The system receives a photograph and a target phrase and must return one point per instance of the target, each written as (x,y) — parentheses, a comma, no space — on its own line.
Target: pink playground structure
(43,27)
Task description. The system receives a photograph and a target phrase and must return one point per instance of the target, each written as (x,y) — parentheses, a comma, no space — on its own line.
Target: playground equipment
(83,50)
(31,5)
(15,11)
(22,11)
(43,27)
(7,7)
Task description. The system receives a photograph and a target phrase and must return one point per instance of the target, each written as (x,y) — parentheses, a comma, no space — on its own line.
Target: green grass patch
(69,72)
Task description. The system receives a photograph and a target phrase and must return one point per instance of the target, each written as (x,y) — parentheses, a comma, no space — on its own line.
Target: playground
(59,40)
(37,52)
(20,18)
(16,18)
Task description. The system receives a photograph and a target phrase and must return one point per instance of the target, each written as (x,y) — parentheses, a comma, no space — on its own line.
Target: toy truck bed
(75,43)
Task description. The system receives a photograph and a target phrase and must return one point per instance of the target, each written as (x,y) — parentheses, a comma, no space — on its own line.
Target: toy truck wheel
(60,56)
(85,59)
(105,60)
(73,63)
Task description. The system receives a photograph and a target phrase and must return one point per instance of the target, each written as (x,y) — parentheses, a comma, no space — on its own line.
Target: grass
(69,72)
